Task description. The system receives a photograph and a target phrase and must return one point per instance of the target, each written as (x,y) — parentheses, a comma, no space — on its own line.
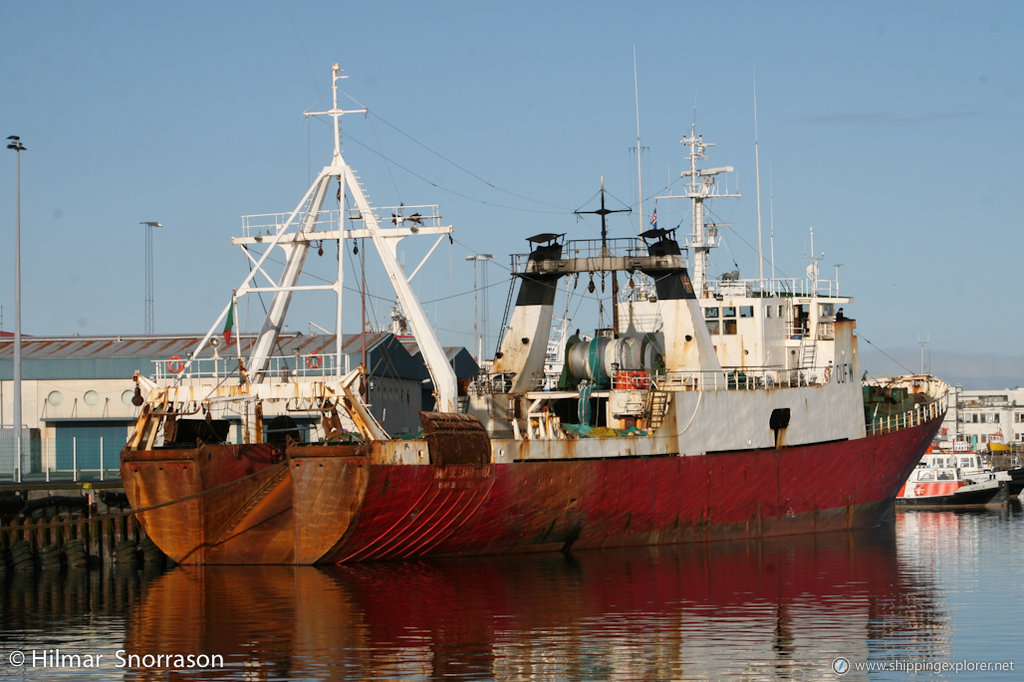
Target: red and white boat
(708,410)
(952,477)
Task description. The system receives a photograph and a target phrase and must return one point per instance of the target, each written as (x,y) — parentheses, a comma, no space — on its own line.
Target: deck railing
(282,366)
(680,380)
(740,379)
(920,414)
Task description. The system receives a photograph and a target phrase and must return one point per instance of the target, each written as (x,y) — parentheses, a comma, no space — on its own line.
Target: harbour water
(937,593)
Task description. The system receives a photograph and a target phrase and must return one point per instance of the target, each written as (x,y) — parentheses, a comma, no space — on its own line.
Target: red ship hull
(331,504)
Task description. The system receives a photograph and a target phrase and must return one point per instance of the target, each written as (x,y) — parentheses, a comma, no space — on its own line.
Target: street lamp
(149,272)
(477,340)
(14,142)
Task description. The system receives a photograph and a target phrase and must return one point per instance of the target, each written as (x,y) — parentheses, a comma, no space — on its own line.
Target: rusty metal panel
(455,438)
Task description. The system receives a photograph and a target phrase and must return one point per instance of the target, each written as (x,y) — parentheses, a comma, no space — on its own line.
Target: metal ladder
(657,406)
(808,354)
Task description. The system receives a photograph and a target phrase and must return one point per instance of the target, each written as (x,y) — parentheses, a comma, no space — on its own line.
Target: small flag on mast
(229,323)
(654,218)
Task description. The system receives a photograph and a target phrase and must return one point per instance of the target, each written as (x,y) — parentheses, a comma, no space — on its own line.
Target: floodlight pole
(150,224)
(18,147)
(477,343)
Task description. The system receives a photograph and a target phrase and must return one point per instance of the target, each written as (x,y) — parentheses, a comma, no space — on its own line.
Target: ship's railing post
(101,458)
(74,458)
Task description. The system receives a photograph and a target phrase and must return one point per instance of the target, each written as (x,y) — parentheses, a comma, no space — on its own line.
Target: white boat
(945,478)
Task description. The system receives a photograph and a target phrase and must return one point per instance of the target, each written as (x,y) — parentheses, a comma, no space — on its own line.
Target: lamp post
(14,142)
(150,224)
(477,342)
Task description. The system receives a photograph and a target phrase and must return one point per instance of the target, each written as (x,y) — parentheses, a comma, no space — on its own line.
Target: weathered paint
(340,504)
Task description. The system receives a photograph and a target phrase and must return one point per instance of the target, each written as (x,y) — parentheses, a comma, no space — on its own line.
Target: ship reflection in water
(769,608)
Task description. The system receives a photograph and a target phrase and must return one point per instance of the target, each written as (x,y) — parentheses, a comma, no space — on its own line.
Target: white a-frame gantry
(306,224)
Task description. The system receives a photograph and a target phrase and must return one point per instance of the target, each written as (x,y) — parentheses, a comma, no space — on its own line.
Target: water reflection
(775,608)
(972,558)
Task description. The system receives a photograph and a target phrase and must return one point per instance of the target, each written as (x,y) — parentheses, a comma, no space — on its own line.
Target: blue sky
(893,129)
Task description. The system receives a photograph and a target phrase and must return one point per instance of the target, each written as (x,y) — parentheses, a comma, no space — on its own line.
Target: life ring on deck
(175,365)
(313,361)
(828,373)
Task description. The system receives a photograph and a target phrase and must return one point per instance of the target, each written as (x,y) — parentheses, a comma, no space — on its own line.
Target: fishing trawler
(708,410)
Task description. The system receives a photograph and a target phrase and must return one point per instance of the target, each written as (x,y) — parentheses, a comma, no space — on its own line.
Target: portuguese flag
(229,323)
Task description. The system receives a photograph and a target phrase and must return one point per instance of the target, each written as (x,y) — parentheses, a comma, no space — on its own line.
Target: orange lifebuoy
(313,361)
(828,373)
(175,364)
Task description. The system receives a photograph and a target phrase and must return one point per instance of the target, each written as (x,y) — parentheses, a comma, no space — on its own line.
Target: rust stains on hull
(340,503)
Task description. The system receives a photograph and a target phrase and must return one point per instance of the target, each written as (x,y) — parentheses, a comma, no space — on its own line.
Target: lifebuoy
(828,373)
(175,364)
(313,361)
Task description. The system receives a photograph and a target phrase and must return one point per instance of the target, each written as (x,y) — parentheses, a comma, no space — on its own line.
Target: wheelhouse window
(746,311)
(712,326)
(729,311)
(711,313)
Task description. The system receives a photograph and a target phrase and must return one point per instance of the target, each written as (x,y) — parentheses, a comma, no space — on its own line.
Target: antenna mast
(701,188)
(812,269)
(771,224)
(603,212)
(757,174)
(639,148)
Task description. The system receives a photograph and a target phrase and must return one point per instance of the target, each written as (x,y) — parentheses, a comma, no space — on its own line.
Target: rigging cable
(463,195)
(860,335)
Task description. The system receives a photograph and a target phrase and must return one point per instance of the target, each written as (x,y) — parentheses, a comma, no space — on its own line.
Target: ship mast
(295,244)
(701,188)
(441,372)
(605,253)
